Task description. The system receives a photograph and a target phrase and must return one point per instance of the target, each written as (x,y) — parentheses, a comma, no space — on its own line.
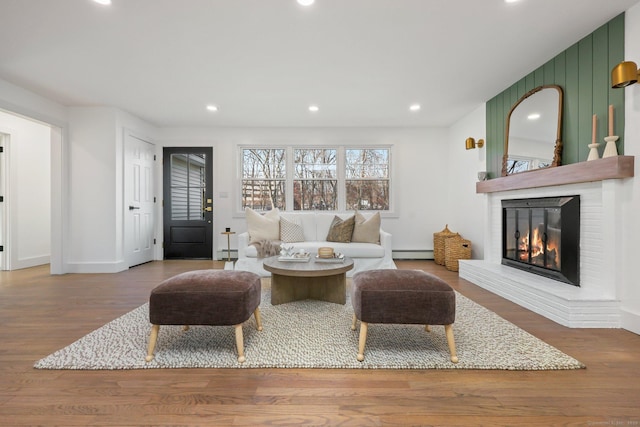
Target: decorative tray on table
(297,257)
(336,258)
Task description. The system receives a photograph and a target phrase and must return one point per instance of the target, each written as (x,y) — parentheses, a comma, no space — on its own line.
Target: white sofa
(366,256)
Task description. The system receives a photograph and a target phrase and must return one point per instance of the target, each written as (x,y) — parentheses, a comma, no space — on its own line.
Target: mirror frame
(557,152)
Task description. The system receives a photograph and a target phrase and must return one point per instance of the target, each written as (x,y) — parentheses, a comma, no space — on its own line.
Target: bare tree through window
(315,183)
(263,178)
(367,179)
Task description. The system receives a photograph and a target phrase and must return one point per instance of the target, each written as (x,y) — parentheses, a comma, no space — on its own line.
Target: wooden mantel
(617,167)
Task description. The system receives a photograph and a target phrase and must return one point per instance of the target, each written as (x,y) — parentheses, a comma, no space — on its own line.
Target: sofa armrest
(385,242)
(243,243)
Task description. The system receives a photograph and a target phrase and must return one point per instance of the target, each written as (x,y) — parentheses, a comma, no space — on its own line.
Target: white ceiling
(363,62)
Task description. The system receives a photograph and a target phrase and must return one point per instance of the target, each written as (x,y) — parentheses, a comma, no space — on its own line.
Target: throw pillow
(291,231)
(263,227)
(341,230)
(366,230)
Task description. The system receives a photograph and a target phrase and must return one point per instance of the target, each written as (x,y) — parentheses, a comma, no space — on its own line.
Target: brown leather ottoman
(205,297)
(402,297)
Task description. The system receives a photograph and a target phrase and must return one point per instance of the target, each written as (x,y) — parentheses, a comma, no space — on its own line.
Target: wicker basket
(456,248)
(438,244)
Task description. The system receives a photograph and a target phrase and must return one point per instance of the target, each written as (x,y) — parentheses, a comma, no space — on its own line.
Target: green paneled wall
(583,71)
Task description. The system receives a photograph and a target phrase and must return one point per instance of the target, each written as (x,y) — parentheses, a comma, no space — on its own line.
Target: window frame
(340,173)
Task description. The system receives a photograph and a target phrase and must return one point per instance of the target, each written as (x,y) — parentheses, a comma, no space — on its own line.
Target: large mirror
(533,139)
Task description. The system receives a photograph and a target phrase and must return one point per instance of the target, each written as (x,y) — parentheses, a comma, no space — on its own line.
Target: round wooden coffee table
(294,281)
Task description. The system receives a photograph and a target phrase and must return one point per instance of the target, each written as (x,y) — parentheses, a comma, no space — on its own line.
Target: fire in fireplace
(542,236)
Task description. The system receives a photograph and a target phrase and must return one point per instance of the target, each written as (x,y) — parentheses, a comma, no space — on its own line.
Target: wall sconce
(624,74)
(471,143)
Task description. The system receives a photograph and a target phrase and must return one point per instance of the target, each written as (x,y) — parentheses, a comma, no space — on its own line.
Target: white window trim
(340,173)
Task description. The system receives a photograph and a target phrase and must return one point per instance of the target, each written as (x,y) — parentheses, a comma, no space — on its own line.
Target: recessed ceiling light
(415,107)
(212,107)
(104,2)
(533,116)
(314,108)
(306,2)
(511,1)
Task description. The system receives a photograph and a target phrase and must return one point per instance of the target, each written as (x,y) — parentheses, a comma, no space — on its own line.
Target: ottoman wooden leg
(362,341)
(240,343)
(256,314)
(152,342)
(353,323)
(448,329)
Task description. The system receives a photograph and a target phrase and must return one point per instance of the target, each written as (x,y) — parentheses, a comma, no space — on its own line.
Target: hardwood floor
(40,313)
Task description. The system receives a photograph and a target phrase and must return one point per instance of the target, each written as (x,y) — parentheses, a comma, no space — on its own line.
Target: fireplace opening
(542,236)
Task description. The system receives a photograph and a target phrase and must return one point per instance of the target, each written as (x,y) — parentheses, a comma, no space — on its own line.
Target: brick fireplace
(595,303)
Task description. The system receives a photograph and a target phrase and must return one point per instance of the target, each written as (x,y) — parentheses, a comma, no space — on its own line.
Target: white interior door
(139,200)
(3,203)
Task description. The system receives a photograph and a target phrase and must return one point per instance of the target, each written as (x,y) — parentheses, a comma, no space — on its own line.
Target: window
(367,179)
(315,181)
(336,178)
(187,186)
(263,178)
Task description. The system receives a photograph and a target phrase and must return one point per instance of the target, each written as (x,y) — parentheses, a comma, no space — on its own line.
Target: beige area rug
(313,334)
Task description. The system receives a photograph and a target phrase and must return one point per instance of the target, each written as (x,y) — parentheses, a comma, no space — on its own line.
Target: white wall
(420,161)
(630,286)
(28,195)
(28,104)
(465,208)
(95,238)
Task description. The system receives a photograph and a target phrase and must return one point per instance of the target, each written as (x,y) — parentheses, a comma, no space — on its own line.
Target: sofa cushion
(291,230)
(263,227)
(341,230)
(366,230)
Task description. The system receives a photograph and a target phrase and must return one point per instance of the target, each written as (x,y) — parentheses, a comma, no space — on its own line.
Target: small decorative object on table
(336,258)
(325,252)
(288,253)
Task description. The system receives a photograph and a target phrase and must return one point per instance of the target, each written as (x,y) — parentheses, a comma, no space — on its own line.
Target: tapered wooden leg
(152,342)
(353,323)
(427,328)
(185,328)
(448,329)
(240,343)
(363,340)
(256,314)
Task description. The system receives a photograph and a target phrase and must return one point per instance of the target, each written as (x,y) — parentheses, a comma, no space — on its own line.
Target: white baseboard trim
(30,262)
(630,321)
(96,267)
(409,254)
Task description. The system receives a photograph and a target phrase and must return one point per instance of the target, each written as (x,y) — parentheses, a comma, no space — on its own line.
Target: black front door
(188,199)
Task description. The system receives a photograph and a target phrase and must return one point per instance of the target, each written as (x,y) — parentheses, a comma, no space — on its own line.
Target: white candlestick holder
(593,152)
(610,150)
